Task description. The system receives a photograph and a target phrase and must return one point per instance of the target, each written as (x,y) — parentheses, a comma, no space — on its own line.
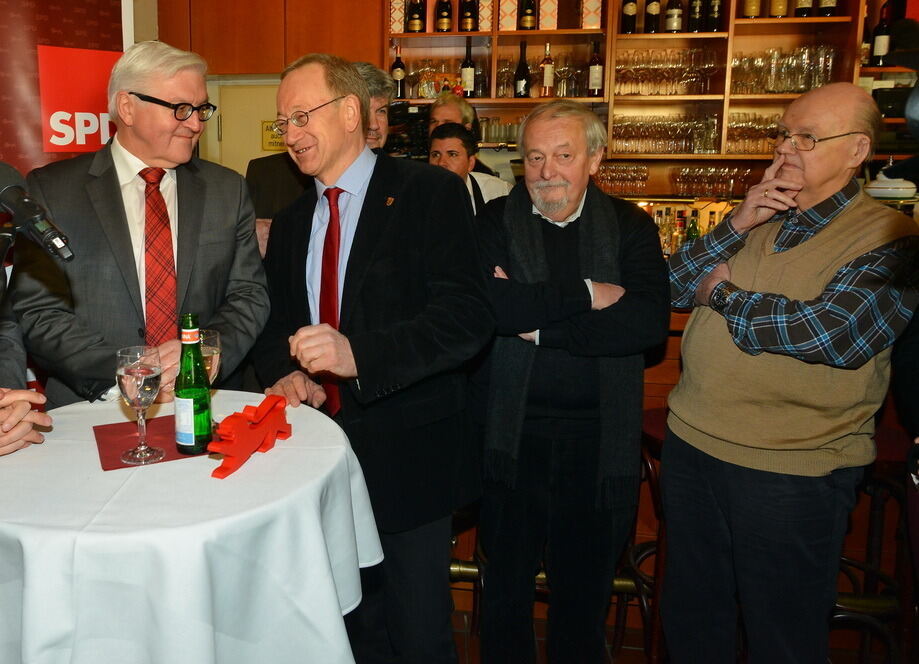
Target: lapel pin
(389,200)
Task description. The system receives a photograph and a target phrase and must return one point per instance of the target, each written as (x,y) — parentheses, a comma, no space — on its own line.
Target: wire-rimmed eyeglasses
(298,118)
(183,110)
(805,142)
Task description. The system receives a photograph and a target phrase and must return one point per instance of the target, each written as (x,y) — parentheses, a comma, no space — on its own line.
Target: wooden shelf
(894,121)
(513,101)
(672,35)
(885,70)
(717,156)
(452,33)
(766,97)
(550,33)
(663,99)
(791,20)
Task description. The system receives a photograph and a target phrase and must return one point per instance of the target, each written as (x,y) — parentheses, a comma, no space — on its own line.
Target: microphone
(28,214)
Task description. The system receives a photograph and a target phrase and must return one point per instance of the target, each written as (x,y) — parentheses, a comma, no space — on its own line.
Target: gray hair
(341,77)
(379,83)
(145,60)
(594,131)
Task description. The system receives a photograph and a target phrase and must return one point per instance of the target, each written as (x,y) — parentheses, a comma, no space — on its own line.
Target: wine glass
(210,353)
(138,373)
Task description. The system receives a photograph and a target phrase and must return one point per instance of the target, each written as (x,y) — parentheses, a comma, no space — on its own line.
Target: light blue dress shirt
(354,183)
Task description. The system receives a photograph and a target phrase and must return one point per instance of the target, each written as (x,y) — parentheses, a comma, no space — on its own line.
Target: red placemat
(114,439)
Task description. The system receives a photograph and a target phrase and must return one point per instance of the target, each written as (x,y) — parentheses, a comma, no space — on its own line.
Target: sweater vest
(773,412)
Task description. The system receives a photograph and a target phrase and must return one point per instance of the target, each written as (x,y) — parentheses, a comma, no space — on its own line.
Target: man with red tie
(155,232)
(377,302)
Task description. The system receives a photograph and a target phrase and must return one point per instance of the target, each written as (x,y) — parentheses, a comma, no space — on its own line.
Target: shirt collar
(571,217)
(355,177)
(821,214)
(127,165)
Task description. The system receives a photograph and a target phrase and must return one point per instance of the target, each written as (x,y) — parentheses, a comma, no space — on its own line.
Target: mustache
(550,183)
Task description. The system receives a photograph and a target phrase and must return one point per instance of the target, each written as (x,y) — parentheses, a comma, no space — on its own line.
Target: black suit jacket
(415,310)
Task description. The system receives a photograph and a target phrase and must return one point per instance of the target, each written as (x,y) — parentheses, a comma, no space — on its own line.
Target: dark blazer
(414,309)
(75,315)
(12,353)
(274,183)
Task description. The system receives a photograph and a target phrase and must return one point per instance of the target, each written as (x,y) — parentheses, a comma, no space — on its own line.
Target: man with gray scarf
(560,415)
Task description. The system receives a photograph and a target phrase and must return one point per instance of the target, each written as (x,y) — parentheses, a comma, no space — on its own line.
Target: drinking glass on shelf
(138,373)
(210,353)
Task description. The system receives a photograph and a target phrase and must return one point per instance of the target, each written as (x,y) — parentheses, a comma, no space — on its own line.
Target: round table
(164,563)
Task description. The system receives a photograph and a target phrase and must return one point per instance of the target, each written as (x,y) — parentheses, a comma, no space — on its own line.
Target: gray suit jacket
(12,354)
(74,316)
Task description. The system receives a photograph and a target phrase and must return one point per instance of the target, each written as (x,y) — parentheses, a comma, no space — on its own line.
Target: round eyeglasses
(805,142)
(181,111)
(298,118)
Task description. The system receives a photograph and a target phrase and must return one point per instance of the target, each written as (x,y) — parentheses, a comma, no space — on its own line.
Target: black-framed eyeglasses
(805,142)
(298,118)
(182,111)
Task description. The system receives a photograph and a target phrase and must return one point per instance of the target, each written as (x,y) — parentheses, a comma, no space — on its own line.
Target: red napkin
(114,439)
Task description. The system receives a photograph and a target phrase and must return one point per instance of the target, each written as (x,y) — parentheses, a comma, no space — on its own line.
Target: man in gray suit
(74,316)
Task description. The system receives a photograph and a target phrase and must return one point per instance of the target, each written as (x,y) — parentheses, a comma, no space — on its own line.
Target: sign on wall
(74,105)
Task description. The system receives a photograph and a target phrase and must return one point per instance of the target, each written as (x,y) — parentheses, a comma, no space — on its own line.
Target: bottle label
(414,24)
(185,421)
(751,8)
(548,76)
(467,74)
(778,8)
(828,3)
(595,77)
(881,45)
(467,24)
(528,21)
(804,4)
(674,20)
(398,74)
(630,8)
(653,8)
(715,8)
(520,87)
(190,336)
(443,24)
(696,8)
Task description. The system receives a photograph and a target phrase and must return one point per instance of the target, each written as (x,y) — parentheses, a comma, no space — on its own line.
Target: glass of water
(138,372)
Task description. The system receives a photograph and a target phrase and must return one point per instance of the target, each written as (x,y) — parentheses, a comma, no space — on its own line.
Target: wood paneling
(174,23)
(351,29)
(239,36)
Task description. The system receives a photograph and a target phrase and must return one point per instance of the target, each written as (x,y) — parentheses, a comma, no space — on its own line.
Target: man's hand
(170,354)
(528,336)
(499,273)
(605,294)
(719,273)
(262,229)
(17,419)
(323,348)
(765,199)
(299,388)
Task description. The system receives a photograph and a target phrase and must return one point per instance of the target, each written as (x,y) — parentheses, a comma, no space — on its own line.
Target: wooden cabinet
(239,36)
(347,28)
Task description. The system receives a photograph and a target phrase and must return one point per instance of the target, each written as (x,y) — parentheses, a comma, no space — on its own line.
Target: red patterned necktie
(159,266)
(328,290)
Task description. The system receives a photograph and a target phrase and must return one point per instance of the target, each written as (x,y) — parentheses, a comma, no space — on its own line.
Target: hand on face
(773,194)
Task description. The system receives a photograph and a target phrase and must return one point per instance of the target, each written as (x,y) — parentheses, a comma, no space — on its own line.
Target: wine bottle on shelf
(629,17)
(751,8)
(416,16)
(522,74)
(673,18)
(692,228)
(595,73)
(397,71)
(827,8)
(880,38)
(804,8)
(192,393)
(528,15)
(652,16)
(713,16)
(547,74)
(694,20)
(469,16)
(778,8)
(443,13)
(467,71)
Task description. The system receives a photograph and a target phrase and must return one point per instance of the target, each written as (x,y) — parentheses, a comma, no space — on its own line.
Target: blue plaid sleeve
(859,314)
(695,259)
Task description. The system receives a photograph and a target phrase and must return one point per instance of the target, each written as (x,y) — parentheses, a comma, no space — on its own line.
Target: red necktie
(328,290)
(159,266)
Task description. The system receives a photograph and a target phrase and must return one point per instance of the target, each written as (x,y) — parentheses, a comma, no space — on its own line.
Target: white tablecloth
(165,564)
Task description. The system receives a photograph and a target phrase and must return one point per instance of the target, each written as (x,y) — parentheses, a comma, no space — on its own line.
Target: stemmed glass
(210,353)
(138,373)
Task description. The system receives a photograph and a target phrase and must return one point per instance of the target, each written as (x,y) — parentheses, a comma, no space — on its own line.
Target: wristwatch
(718,299)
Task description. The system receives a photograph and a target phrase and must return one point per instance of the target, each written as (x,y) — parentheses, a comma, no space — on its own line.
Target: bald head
(841,107)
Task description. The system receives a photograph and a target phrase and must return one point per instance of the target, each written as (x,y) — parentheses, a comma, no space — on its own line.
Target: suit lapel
(380,201)
(105,195)
(191,191)
(306,208)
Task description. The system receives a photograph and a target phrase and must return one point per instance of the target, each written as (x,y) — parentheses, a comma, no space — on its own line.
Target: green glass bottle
(192,393)
(692,229)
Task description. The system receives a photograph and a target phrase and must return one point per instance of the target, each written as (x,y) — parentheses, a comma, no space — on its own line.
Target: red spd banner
(72,85)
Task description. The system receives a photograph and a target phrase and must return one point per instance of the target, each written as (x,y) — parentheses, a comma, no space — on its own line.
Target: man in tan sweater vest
(785,361)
